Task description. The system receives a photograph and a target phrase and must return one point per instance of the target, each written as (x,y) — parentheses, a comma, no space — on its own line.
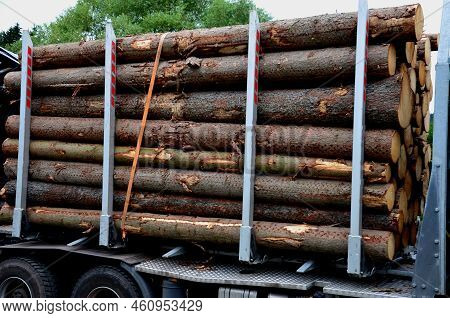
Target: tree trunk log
(39,193)
(403,23)
(424,50)
(388,105)
(434,41)
(268,188)
(304,68)
(302,167)
(380,145)
(326,240)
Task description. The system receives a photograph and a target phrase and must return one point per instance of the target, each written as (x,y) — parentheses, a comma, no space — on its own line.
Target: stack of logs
(189,183)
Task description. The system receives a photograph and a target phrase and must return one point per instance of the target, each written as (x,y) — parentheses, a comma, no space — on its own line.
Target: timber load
(188,185)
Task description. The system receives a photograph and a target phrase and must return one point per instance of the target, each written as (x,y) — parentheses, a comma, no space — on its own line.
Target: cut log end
(390,196)
(419,22)
(395,147)
(402,163)
(413,79)
(409,51)
(392,59)
(406,102)
(391,247)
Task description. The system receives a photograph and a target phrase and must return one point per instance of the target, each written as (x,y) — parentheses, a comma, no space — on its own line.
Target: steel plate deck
(235,274)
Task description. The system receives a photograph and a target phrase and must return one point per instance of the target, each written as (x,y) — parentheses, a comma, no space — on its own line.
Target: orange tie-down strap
(141,135)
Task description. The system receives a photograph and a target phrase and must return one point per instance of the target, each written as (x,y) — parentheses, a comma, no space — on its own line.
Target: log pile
(189,182)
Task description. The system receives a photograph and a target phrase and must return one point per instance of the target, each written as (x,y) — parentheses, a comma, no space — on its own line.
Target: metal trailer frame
(107,230)
(430,272)
(429,275)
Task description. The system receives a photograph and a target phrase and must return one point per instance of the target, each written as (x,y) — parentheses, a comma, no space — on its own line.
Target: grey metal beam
(24,133)
(246,246)
(108,136)
(355,248)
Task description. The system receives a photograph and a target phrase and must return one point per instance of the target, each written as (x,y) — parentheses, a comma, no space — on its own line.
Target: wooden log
(326,240)
(434,41)
(408,140)
(304,68)
(424,50)
(409,51)
(421,72)
(58,195)
(300,167)
(413,79)
(417,118)
(414,58)
(408,184)
(426,122)
(400,24)
(401,204)
(318,193)
(425,103)
(428,81)
(413,234)
(388,105)
(402,164)
(380,145)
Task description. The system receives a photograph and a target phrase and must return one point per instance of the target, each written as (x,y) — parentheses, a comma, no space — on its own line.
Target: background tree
(85,20)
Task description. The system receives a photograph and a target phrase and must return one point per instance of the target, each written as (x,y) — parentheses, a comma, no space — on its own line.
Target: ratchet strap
(141,134)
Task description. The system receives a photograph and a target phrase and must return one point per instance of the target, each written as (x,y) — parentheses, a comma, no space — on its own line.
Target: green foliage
(223,12)
(86,20)
(10,37)
(430,133)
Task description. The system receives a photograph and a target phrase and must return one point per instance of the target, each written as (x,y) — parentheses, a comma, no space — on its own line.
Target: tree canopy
(85,20)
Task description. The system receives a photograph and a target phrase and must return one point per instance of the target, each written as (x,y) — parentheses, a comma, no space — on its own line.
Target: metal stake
(24,133)
(246,241)
(355,248)
(106,225)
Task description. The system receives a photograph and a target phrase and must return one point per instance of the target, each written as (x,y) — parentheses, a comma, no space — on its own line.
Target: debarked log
(316,193)
(324,142)
(301,167)
(303,68)
(404,23)
(326,240)
(389,104)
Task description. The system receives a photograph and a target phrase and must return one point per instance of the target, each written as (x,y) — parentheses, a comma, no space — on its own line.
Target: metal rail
(106,226)
(247,252)
(355,245)
(431,260)
(23,157)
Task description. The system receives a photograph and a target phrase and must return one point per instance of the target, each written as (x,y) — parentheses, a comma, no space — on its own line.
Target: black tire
(26,278)
(106,282)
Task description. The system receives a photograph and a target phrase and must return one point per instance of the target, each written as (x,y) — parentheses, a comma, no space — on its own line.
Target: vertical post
(355,248)
(430,270)
(246,243)
(108,135)
(24,133)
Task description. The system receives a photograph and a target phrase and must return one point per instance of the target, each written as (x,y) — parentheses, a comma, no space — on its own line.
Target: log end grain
(392,59)
(402,163)
(406,101)
(395,147)
(419,22)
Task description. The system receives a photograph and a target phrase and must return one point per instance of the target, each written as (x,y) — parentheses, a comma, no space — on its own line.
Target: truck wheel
(106,282)
(26,278)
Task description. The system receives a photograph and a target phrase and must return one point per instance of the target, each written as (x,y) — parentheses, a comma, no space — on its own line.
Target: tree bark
(304,68)
(57,195)
(303,167)
(424,50)
(403,23)
(326,240)
(434,41)
(317,193)
(388,105)
(380,145)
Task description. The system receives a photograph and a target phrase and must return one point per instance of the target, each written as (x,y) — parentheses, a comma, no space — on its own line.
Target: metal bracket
(247,245)
(24,134)
(431,260)
(355,244)
(176,251)
(308,266)
(107,228)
